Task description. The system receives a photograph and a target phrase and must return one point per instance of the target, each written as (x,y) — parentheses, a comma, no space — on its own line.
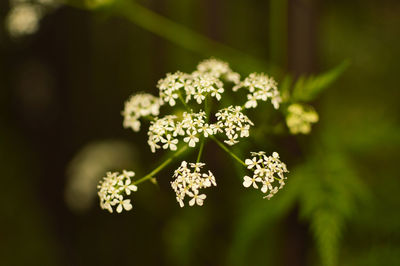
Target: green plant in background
(324,186)
(198,118)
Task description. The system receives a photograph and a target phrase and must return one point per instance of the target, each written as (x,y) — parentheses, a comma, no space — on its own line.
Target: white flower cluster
(266,169)
(194,86)
(140,105)
(170,85)
(218,69)
(189,180)
(197,85)
(234,123)
(164,132)
(300,118)
(261,87)
(112,189)
(203,85)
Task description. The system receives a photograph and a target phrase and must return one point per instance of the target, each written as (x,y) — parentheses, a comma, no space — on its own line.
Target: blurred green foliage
(308,88)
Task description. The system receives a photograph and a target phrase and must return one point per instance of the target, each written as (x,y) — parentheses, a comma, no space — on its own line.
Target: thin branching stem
(200,150)
(161,166)
(227,150)
(183,102)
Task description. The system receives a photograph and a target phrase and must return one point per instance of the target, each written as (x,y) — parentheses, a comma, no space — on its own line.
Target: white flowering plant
(197,115)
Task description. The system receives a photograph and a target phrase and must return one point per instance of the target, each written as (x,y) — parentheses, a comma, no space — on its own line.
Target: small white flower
(217,128)
(191,138)
(197,166)
(170,98)
(199,97)
(180,201)
(231,139)
(244,131)
(169,142)
(196,198)
(217,93)
(252,162)
(272,193)
(127,186)
(210,179)
(248,181)
(260,153)
(265,187)
(124,204)
(206,129)
(251,101)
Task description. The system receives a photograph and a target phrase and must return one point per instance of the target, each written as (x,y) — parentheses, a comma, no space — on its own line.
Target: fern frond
(330,195)
(308,88)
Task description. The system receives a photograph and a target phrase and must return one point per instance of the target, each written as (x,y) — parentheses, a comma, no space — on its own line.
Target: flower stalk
(200,150)
(161,166)
(220,144)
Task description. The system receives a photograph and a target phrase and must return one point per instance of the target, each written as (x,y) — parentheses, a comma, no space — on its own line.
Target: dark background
(63,88)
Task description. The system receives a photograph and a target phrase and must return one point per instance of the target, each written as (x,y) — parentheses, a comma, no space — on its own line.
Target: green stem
(183,102)
(207,106)
(185,37)
(228,151)
(148,117)
(180,34)
(200,150)
(161,166)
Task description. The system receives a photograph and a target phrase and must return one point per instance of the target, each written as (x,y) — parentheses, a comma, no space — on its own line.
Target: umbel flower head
(140,105)
(112,190)
(233,123)
(218,69)
(300,117)
(261,88)
(196,86)
(188,180)
(266,170)
(165,132)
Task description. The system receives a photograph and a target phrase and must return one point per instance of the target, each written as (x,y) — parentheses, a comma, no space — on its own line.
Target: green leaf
(308,88)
